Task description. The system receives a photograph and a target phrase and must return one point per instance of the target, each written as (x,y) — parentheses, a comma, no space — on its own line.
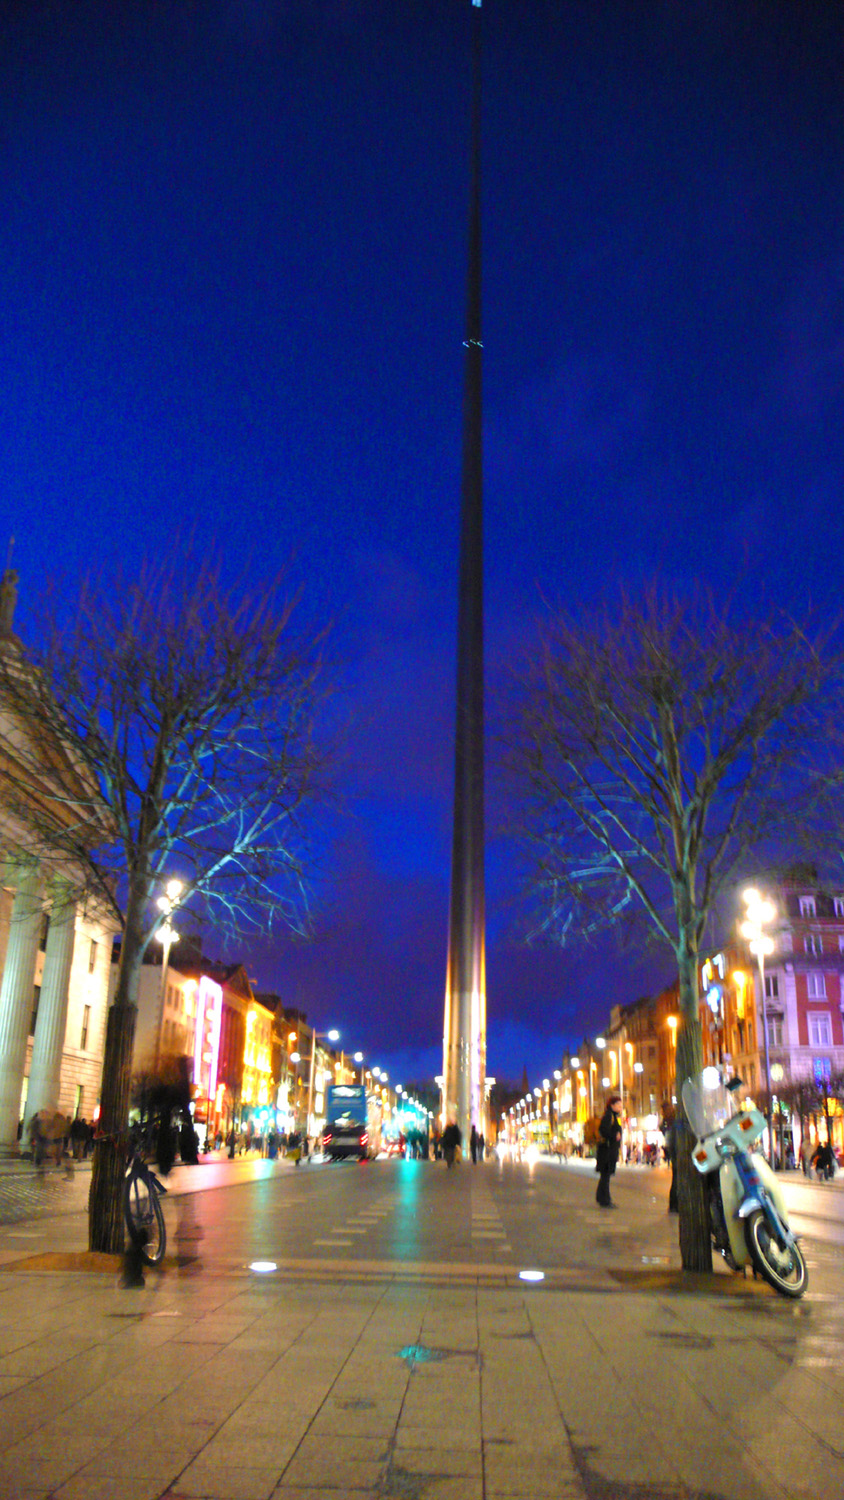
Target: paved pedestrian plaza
(395,1352)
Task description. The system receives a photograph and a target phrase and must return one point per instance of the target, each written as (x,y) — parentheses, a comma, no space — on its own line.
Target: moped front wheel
(782,1267)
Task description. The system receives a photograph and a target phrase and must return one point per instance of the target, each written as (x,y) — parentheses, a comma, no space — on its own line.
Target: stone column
(51,1025)
(16,998)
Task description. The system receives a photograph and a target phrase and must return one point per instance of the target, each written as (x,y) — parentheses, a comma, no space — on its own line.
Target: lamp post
(329,1036)
(574,1064)
(593,1068)
(758,915)
(167,936)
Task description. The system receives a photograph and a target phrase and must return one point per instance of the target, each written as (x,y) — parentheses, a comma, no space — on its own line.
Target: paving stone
(238,1482)
(330,1471)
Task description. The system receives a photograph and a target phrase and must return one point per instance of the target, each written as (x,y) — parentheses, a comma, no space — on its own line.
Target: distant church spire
(464,1040)
(8,601)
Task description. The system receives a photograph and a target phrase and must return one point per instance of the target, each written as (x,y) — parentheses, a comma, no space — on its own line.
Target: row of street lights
(167,935)
(759,915)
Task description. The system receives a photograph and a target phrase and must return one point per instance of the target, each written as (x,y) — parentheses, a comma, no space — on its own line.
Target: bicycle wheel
(784,1269)
(144,1218)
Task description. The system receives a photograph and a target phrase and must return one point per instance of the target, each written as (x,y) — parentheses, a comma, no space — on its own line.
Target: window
(80,1095)
(812,943)
(816,986)
(820,1029)
(841,945)
(92,955)
(752,1080)
(838,905)
(772,986)
(86,1021)
(36,996)
(822,1069)
(807,906)
(45,928)
(775,1031)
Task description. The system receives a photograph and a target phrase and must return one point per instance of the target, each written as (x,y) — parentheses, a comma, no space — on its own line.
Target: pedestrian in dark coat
(609,1146)
(668,1127)
(473,1144)
(452,1136)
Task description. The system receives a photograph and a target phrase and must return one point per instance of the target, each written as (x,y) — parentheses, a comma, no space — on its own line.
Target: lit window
(820,1030)
(807,906)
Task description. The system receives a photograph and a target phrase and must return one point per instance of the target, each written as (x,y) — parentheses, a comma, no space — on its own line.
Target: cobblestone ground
(27,1193)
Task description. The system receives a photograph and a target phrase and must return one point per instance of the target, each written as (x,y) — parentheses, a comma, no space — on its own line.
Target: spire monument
(464,1039)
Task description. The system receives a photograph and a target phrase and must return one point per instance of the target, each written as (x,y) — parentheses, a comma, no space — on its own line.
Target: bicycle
(142,1209)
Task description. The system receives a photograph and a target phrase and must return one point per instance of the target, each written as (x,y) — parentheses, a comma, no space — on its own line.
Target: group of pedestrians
(54,1136)
(817,1155)
(452,1140)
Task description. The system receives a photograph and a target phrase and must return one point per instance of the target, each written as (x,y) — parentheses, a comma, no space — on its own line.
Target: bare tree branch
(659,748)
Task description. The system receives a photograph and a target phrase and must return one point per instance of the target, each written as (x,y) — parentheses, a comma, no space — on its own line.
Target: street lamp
(330,1036)
(758,915)
(167,936)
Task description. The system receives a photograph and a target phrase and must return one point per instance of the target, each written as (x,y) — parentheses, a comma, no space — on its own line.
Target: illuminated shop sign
(209,1016)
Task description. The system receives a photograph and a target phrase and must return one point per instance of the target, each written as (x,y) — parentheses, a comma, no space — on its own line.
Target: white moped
(748,1215)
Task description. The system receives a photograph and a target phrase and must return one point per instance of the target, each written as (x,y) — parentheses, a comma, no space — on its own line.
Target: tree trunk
(105,1203)
(692,1201)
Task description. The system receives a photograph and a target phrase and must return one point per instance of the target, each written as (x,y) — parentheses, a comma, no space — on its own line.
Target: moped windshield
(707,1110)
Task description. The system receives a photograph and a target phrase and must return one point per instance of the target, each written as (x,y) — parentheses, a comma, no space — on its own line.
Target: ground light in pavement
(531,1275)
(263,1266)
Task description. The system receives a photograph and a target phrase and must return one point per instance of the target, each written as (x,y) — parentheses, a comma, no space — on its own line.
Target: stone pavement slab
(421,1377)
(627,1395)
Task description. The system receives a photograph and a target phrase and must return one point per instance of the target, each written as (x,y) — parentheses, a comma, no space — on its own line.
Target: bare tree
(661,746)
(167,731)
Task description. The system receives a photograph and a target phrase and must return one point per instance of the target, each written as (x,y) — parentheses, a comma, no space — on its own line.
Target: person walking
(609,1146)
(473,1144)
(452,1137)
(807,1151)
(668,1127)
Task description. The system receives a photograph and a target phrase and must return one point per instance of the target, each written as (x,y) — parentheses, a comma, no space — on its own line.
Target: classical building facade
(55,942)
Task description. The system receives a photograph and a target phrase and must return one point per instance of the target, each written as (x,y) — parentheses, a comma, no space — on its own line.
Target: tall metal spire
(464,1040)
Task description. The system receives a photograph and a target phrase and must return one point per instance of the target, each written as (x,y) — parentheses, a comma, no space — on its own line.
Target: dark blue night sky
(232,264)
